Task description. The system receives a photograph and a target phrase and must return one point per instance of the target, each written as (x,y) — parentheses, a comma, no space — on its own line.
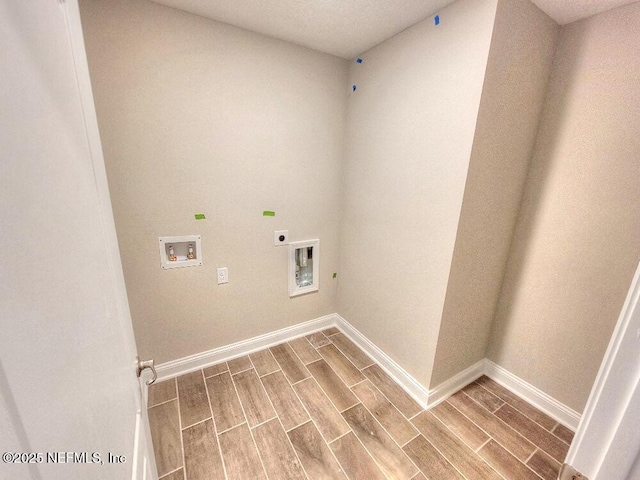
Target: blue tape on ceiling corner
(436,19)
(358,60)
(353,88)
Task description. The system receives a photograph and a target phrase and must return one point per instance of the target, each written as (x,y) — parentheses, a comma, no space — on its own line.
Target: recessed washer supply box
(177,252)
(304,267)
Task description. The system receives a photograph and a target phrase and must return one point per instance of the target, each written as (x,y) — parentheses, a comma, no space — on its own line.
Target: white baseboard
(425,397)
(399,374)
(536,397)
(195,362)
(456,383)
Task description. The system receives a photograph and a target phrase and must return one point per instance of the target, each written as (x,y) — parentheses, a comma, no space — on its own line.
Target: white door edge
(609,403)
(143,462)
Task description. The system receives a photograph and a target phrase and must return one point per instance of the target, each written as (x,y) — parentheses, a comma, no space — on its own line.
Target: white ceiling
(346,28)
(567,11)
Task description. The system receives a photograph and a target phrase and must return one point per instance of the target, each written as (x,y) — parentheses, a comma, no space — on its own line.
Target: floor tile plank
(355,460)
(201,455)
(332,385)
(306,379)
(331,331)
(277,454)
(545,466)
(351,351)
(291,365)
(516,402)
(341,365)
(162,392)
(496,428)
(318,339)
(314,453)
(304,350)
(329,421)
(389,416)
(396,395)
(264,362)
(164,424)
(454,450)
(505,463)
(177,475)
(483,396)
(430,461)
(239,364)
(284,400)
(533,432)
(227,411)
(468,431)
(240,455)
(216,369)
(194,402)
(390,458)
(563,433)
(253,397)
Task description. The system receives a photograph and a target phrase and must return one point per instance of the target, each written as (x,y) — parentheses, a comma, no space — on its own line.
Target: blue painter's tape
(358,60)
(353,88)
(436,20)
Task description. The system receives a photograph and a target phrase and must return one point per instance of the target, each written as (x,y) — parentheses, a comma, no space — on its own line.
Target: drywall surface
(576,242)
(522,47)
(200,117)
(411,122)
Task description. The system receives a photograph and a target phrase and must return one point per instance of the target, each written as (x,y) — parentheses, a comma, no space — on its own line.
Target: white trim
(595,443)
(536,397)
(197,361)
(425,397)
(137,462)
(395,371)
(456,383)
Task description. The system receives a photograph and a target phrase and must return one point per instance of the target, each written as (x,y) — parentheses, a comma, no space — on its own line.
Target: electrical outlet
(223,275)
(281,237)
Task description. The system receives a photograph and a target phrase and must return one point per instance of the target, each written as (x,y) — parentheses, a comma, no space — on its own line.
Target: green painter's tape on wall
(199,216)
(268,213)
(335,275)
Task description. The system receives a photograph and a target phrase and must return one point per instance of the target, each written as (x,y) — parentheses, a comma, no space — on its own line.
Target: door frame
(143,445)
(607,441)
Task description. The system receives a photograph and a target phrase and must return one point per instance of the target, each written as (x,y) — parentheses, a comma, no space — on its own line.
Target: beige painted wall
(515,84)
(576,242)
(411,123)
(201,117)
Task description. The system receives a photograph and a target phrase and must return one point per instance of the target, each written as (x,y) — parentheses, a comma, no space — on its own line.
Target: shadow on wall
(539,273)
(567,271)
(545,157)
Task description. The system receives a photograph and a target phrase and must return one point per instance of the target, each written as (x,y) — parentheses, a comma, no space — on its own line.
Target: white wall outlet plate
(223,275)
(281,237)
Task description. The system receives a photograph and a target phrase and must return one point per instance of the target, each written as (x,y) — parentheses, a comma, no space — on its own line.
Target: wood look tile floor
(319,408)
